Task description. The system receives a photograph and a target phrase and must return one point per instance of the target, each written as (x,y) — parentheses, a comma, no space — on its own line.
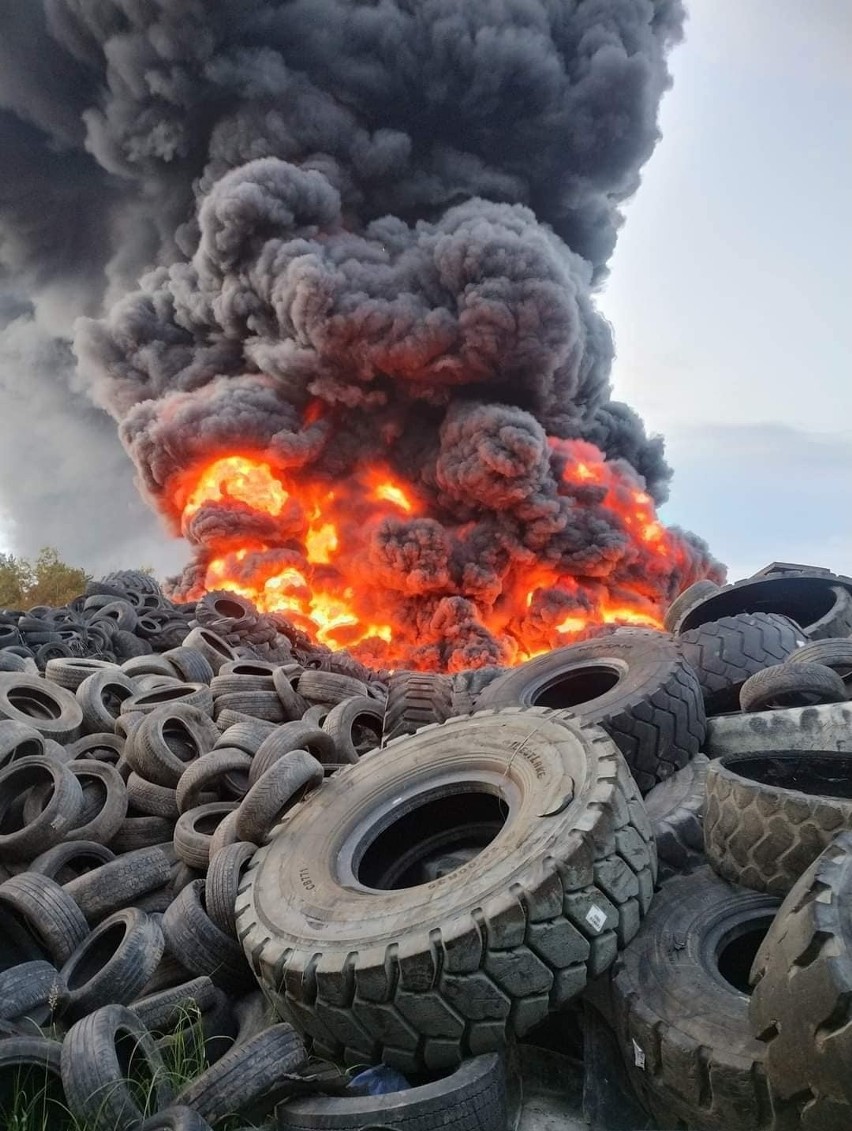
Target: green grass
(31,1101)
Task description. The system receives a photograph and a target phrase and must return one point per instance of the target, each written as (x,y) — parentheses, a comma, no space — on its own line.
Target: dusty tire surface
(821,608)
(682,1025)
(770,815)
(801,1005)
(638,688)
(724,653)
(415,700)
(357,952)
(473,1098)
(676,811)
(791,685)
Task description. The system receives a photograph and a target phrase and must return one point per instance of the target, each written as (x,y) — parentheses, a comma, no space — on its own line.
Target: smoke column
(354,243)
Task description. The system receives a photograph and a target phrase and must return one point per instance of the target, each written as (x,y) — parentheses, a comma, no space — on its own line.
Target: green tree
(46,581)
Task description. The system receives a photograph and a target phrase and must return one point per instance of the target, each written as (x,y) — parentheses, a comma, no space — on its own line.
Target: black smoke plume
(335,232)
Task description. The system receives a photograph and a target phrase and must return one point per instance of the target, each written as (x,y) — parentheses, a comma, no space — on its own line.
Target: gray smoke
(337,231)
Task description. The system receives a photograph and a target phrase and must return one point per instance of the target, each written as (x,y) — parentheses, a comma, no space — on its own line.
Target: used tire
(101,697)
(638,688)
(167,741)
(200,945)
(801,1006)
(298,735)
(549,898)
(104,801)
(175,1119)
(821,608)
(686,601)
(791,685)
(20,840)
(222,884)
(109,888)
(724,653)
(30,1067)
(68,861)
(102,1056)
(19,740)
(194,830)
(51,710)
(31,989)
(473,1098)
(249,1079)
(834,654)
(770,815)
(113,963)
(161,1012)
(195,695)
(680,1002)
(676,811)
(415,700)
(48,912)
(355,726)
(274,792)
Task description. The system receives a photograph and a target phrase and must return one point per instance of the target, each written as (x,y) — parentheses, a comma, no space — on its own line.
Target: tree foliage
(46,581)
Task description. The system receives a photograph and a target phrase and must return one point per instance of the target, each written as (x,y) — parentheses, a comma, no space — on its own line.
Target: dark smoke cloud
(333,231)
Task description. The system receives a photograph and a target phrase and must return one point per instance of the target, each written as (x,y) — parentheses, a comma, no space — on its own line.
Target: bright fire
(310,557)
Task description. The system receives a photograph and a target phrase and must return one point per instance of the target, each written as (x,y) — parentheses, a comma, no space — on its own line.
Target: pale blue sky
(731,285)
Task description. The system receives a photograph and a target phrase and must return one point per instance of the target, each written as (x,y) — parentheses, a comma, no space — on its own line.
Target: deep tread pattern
(676,812)
(765,836)
(486,974)
(725,652)
(415,700)
(683,1031)
(801,1007)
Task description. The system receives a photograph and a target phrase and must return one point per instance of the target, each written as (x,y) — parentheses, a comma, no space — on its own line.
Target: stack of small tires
(236,869)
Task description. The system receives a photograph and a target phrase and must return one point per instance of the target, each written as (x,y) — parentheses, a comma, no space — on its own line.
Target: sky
(731,284)
(728,292)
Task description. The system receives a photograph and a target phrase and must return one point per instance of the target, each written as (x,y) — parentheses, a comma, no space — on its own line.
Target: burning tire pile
(220,842)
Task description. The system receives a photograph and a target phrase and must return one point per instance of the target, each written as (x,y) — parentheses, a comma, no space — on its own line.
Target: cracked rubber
(683,1028)
(801,1007)
(415,700)
(676,812)
(637,687)
(724,653)
(429,974)
(763,832)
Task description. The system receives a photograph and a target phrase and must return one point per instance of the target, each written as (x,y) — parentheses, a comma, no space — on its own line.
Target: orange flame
(322,575)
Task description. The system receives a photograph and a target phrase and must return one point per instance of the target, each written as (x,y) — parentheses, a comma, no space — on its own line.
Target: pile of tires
(235,869)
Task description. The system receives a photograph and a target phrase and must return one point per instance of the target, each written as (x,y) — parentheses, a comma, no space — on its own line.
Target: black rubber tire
(276,791)
(249,1079)
(769,816)
(19,839)
(68,861)
(175,1119)
(222,884)
(196,695)
(415,700)
(51,710)
(682,1025)
(637,687)
(676,811)
(70,673)
(247,736)
(429,974)
(101,820)
(821,608)
(150,799)
(283,679)
(30,1067)
(724,653)
(31,989)
(791,685)
(263,705)
(215,649)
(225,834)
(691,597)
(468,686)
(99,1055)
(191,665)
(114,963)
(163,1011)
(355,726)
(831,653)
(48,913)
(194,829)
(298,735)
(147,665)
(102,696)
(100,746)
(167,741)
(109,888)
(801,1006)
(329,688)
(200,945)
(19,740)
(138,832)
(473,1098)
(207,774)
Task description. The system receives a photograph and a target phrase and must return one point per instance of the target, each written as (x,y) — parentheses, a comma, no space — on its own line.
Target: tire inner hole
(580,686)
(828,775)
(738,950)
(431,840)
